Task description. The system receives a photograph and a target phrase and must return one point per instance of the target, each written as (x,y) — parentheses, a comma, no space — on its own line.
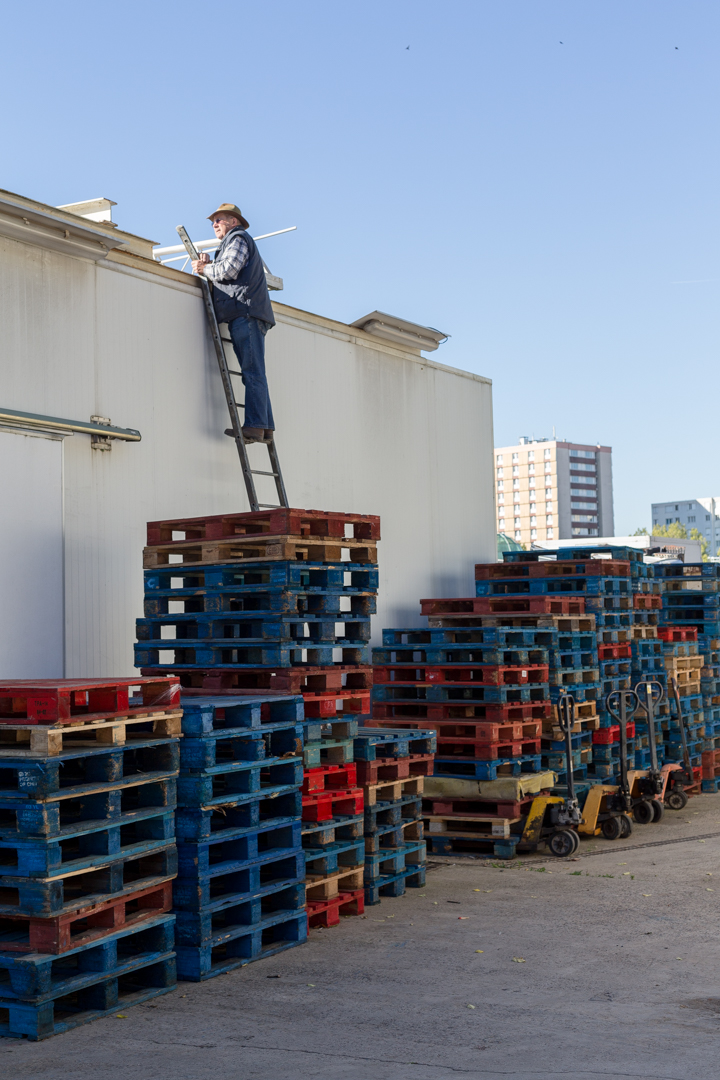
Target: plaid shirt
(234,258)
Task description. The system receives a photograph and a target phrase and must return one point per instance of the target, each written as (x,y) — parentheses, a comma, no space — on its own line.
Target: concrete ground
(606,966)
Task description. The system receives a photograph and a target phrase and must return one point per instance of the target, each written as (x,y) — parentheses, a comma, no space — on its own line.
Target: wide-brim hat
(231,208)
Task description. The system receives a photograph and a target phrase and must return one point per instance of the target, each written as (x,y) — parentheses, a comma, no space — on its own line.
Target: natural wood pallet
(325,888)
(468,825)
(391,791)
(24,741)
(256,549)
(565,624)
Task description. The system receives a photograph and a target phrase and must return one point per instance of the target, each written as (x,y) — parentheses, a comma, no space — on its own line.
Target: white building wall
(362,426)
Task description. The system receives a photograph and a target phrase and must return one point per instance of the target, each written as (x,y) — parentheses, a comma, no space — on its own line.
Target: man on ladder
(241,299)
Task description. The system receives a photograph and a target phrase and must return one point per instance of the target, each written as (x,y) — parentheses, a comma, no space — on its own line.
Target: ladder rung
(234,372)
(240,404)
(259,472)
(269,506)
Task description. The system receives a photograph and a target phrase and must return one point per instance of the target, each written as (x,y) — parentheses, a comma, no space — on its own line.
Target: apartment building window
(500,472)
(707,517)
(501,497)
(548,493)
(498,459)
(516,457)
(533,534)
(550,534)
(516,483)
(532,484)
(690,506)
(516,470)
(656,522)
(547,454)
(548,467)
(500,485)
(691,517)
(677,507)
(516,522)
(502,523)
(531,455)
(549,519)
(668,521)
(533,520)
(531,469)
(518,534)
(584,517)
(533,507)
(581,466)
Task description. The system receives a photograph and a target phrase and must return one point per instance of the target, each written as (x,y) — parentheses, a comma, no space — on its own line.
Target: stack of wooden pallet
(274,602)
(239,894)
(87,838)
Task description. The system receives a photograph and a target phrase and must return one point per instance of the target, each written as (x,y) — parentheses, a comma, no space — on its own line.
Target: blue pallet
(82,772)
(383,816)
(608,605)
(106,996)
(203,715)
(252,655)
(579,774)
(558,760)
(210,926)
(84,848)
(289,574)
(414,655)
(583,553)
(488,770)
(317,835)
(452,694)
(335,858)
(554,586)
(225,888)
(580,691)
(109,878)
(206,858)
(261,601)
(499,637)
(229,630)
(195,824)
(614,669)
(41,977)
(701,571)
(712,785)
(388,862)
(649,665)
(614,620)
(274,934)
(648,648)
(373,744)
(395,885)
(573,659)
(240,781)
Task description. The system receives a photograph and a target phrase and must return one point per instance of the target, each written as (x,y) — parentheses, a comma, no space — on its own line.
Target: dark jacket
(248,293)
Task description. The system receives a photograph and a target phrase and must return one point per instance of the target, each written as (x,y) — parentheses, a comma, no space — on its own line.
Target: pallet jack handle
(651,694)
(623,704)
(681,724)
(566,719)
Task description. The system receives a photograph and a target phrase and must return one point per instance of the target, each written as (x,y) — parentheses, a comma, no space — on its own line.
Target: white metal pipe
(205,245)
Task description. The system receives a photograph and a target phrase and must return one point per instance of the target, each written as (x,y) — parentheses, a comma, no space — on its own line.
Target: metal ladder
(233,405)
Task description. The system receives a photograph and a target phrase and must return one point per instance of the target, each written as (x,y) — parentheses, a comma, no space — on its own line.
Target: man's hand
(198,264)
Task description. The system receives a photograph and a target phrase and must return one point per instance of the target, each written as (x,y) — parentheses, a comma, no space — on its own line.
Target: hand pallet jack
(682,783)
(607,806)
(554,819)
(647,786)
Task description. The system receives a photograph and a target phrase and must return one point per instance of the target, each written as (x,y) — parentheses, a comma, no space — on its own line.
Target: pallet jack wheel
(562,843)
(677,799)
(576,838)
(643,812)
(625,825)
(612,828)
(658,809)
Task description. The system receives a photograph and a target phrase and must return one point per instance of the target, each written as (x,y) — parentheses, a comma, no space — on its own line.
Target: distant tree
(676,531)
(695,534)
(640,532)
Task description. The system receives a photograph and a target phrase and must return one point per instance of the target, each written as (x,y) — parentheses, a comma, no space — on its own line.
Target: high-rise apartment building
(551,490)
(701,514)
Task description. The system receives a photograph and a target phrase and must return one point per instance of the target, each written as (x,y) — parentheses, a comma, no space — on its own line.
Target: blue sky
(551,206)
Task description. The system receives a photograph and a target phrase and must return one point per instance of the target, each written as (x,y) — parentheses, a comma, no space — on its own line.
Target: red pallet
(329,778)
(276,522)
(607,735)
(73,929)
(323,805)
(62,701)
(328,912)
(501,605)
(481,807)
(614,652)
(301,680)
(677,633)
(479,730)
(401,711)
(325,706)
(644,602)
(552,569)
(710,764)
(481,751)
(472,674)
(377,772)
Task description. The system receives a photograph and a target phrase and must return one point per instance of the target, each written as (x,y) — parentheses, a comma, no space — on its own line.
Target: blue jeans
(248,338)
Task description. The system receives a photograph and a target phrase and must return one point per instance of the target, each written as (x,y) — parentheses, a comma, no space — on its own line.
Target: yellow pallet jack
(554,819)
(607,806)
(647,786)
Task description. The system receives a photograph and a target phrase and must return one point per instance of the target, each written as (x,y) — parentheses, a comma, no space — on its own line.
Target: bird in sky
(406,48)
(676,48)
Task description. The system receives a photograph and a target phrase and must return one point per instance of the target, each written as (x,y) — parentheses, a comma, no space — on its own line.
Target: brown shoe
(269,435)
(253,434)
